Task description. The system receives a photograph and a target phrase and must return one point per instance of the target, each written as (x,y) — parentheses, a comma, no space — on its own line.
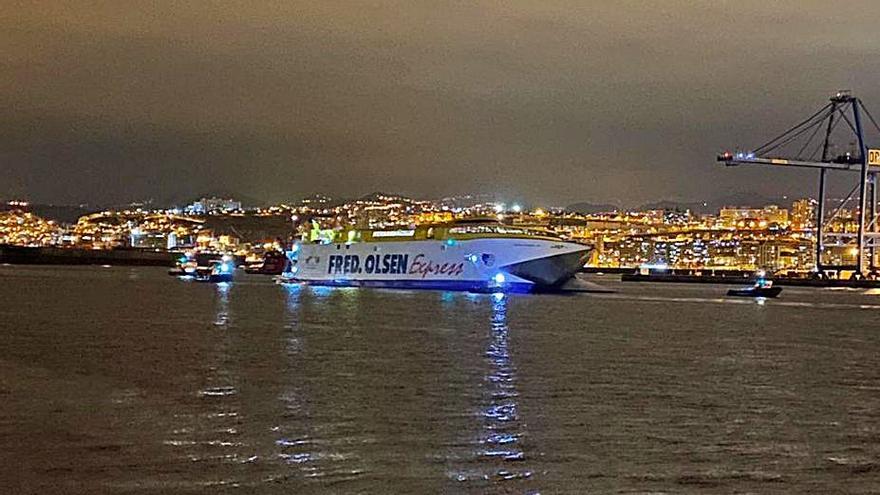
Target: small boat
(219,271)
(186,267)
(216,271)
(762,288)
(273,264)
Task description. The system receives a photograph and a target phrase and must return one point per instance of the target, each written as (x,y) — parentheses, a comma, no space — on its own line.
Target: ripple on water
(655,389)
(218,392)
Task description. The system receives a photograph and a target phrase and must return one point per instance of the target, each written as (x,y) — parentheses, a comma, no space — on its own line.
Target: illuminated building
(213,206)
(803,214)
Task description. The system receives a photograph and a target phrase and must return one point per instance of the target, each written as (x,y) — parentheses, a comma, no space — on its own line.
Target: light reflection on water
(210,432)
(292,437)
(315,451)
(222,318)
(498,447)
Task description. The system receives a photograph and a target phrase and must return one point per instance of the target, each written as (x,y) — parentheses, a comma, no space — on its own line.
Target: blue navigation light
(450,242)
(473,258)
(499,278)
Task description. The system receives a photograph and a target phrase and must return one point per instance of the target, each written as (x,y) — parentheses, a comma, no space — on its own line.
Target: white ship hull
(485,264)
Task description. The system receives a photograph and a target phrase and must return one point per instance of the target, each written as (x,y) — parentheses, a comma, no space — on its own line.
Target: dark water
(121,380)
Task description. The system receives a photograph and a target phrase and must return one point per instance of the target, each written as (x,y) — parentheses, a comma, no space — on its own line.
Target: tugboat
(762,288)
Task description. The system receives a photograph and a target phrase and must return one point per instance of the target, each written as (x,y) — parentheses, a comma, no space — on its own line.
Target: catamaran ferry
(472,255)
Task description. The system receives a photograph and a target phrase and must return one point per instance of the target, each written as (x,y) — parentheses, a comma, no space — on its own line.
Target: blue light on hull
(452,285)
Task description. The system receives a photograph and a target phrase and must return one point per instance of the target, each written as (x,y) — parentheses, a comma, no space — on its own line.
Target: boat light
(499,278)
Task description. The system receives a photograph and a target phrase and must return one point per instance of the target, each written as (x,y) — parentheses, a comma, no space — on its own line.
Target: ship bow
(550,270)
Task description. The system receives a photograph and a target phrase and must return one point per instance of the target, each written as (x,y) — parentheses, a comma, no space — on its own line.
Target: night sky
(547,102)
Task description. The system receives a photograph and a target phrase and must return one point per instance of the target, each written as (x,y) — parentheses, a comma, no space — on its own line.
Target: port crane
(811,144)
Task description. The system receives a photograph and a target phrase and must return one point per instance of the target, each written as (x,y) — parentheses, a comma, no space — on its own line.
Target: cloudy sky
(547,102)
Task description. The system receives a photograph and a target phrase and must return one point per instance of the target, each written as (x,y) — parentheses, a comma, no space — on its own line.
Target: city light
(734,238)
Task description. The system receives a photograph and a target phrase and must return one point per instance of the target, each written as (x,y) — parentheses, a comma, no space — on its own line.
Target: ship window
(488,229)
(394,233)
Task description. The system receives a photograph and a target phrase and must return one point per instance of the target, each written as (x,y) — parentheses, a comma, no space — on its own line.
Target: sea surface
(126,380)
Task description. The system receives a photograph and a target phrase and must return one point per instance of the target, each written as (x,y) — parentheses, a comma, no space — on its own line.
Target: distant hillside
(585,208)
(184,199)
(676,205)
(713,205)
(751,199)
(377,195)
(58,213)
(250,228)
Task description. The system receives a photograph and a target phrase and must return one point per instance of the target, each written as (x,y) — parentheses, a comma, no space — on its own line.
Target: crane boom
(733,160)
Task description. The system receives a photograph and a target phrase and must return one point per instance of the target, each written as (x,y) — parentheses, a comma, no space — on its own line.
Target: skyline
(553,103)
(736,200)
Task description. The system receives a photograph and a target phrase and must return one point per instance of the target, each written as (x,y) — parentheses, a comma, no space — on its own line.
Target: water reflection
(499,450)
(321,290)
(315,442)
(447,298)
(292,439)
(209,431)
(293,301)
(222,314)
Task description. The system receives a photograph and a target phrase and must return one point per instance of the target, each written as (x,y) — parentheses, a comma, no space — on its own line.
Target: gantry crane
(818,154)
